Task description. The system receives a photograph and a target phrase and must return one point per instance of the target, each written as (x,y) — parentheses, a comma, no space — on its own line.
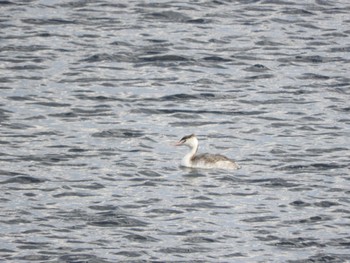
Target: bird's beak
(178,143)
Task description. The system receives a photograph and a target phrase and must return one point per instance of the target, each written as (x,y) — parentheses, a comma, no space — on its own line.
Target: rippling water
(95,93)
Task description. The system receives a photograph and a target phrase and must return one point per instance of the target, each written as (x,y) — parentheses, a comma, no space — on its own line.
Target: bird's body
(206,160)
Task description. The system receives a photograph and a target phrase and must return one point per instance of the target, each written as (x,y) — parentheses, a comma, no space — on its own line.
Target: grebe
(205,160)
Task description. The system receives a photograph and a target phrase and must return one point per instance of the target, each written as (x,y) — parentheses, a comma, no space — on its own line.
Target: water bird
(205,160)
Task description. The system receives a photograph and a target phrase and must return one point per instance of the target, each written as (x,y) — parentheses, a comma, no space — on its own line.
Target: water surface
(95,93)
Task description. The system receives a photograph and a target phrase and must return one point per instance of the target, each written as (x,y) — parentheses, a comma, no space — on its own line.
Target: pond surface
(94,94)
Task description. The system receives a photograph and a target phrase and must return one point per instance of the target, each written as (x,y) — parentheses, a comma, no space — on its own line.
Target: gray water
(95,93)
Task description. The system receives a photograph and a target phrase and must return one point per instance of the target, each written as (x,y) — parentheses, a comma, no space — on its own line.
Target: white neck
(187,160)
